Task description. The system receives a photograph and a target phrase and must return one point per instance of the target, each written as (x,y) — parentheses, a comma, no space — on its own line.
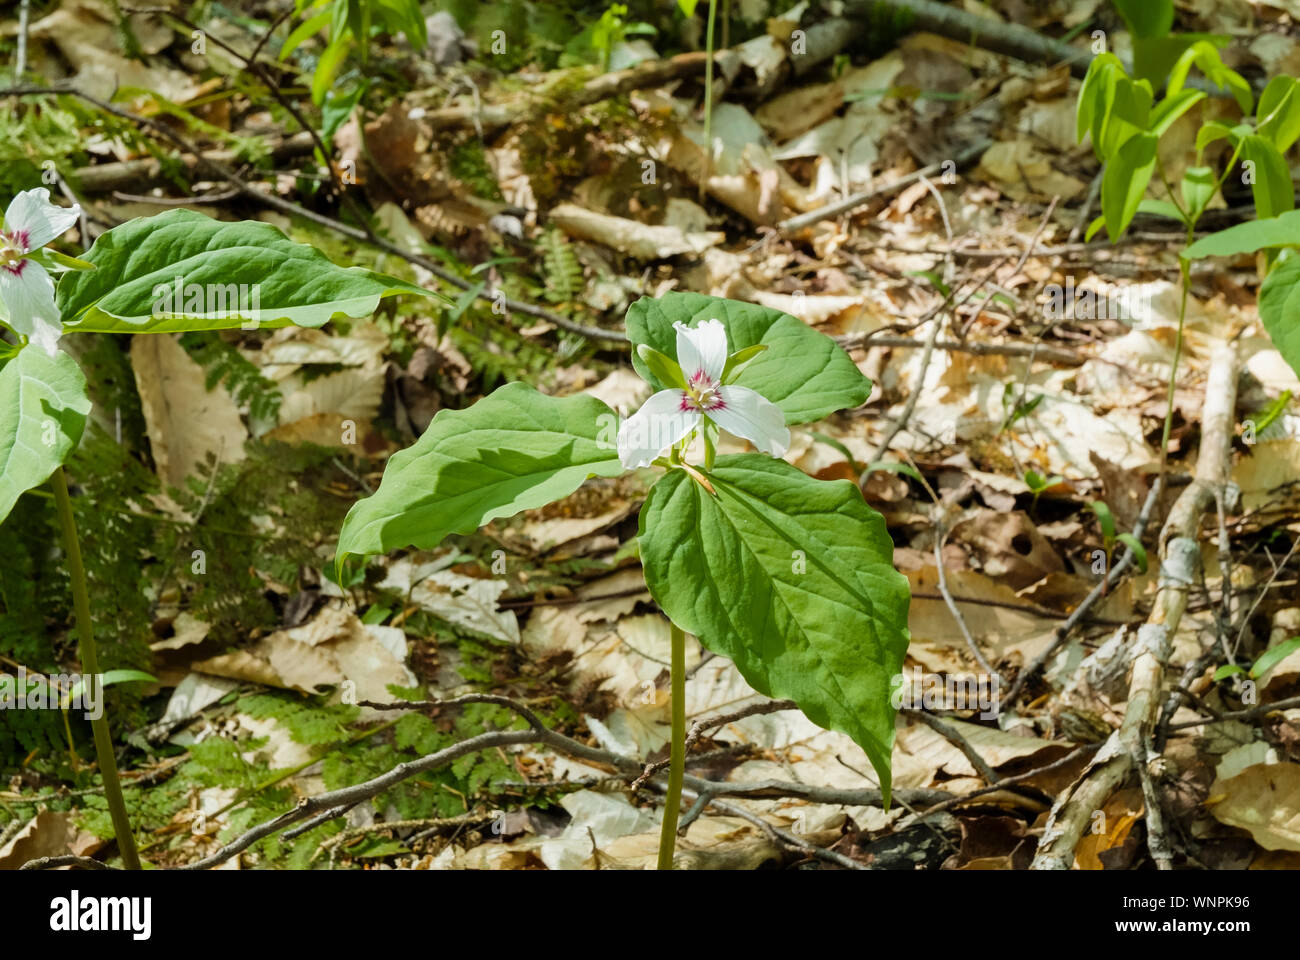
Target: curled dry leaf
(1263,800)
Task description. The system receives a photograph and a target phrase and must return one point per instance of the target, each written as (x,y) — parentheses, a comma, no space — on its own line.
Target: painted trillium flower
(699,391)
(26,289)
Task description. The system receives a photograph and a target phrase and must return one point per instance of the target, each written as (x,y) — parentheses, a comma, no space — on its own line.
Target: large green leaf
(1279,309)
(1096,99)
(1129,116)
(1278,112)
(793,579)
(43,407)
(803,372)
(516,449)
(1124,182)
(1248,237)
(1272,188)
(226,265)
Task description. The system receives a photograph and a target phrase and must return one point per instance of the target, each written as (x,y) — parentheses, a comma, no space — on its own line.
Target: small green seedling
(1039,484)
(1109,538)
(1269,659)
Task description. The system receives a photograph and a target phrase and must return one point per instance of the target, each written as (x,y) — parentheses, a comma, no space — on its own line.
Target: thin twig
(941,537)
(1251,714)
(49,863)
(832,210)
(956,739)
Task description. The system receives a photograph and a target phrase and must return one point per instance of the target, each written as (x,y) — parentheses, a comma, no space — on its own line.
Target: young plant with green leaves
(1039,484)
(790,577)
(176,272)
(1269,659)
(1126,124)
(605,35)
(1110,537)
(350,24)
(1155,46)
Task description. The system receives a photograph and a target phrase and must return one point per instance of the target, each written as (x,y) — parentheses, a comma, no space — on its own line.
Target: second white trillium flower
(670,415)
(26,289)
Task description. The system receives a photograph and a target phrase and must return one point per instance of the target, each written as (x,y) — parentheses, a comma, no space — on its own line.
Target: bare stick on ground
(1180,557)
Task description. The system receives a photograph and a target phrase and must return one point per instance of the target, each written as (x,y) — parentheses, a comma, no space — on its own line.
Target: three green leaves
(790,577)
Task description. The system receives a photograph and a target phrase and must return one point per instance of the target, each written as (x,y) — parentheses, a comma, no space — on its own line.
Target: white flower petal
(46,336)
(654,428)
(745,413)
(28,293)
(36,221)
(702,348)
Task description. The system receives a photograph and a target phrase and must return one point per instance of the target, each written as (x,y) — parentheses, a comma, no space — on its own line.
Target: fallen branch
(1253,713)
(49,863)
(1180,559)
(107,177)
(651,73)
(1063,357)
(705,724)
(956,24)
(315,810)
(956,739)
(787,839)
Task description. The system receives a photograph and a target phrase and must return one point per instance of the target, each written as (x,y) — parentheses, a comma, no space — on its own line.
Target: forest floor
(543,182)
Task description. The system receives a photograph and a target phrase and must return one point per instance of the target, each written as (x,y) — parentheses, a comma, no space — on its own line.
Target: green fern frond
(561,269)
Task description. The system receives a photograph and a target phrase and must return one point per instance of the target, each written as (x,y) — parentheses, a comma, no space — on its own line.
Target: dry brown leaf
(1122,812)
(354,394)
(1263,800)
(326,651)
(185,421)
(997,747)
(48,834)
(1022,171)
(86,34)
(1009,547)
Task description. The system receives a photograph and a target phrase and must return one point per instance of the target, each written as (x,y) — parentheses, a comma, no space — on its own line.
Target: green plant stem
(677,756)
(90,667)
(1185,269)
(708,99)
